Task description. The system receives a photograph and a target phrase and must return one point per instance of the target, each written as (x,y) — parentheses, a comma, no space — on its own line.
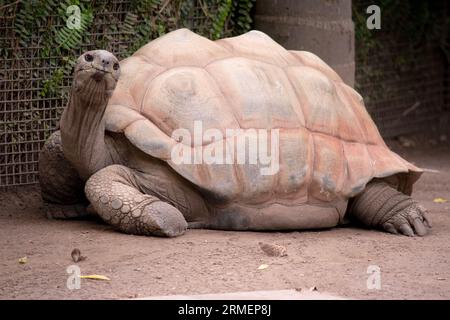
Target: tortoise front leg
(61,187)
(381,206)
(117,198)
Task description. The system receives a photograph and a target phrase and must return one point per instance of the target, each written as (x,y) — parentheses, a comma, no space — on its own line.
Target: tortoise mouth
(99,75)
(96,79)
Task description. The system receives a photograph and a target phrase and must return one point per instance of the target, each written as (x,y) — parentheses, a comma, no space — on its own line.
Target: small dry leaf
(23,260)
(95,277)
(263,266)
(76,255)
(440,200)
(273,250)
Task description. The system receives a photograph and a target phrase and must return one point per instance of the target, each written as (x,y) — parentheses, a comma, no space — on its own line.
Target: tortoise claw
(419,227)
(406,230)
(389,227)
(411,221)
(426,218)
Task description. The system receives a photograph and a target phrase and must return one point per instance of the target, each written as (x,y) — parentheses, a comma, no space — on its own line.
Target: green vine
(69,38)
(42,24)
(222,14)
(242,16)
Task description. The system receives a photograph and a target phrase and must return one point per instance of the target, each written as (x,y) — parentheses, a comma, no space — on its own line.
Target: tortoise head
(96,73)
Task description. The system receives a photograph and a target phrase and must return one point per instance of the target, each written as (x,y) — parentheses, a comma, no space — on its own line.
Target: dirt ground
(206,261)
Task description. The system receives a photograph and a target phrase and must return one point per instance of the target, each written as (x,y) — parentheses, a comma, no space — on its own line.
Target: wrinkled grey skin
(138,194)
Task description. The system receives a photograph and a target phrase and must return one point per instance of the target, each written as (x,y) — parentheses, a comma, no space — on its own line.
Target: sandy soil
(205,261)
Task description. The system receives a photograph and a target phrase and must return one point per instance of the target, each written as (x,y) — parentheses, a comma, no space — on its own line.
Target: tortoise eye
(116,66)
(88,57)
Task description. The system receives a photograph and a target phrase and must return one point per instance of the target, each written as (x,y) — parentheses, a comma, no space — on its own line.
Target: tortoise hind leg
(140,203)
(381,206)
(61,187)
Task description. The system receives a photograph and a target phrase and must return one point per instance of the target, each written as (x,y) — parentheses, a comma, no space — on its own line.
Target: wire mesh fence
(402,70)
(408,100)
(35,68)
(35,65)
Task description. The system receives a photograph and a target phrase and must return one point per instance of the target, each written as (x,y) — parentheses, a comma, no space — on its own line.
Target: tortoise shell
(329,147)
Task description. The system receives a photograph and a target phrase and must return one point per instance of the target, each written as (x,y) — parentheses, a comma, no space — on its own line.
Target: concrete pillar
(323,27)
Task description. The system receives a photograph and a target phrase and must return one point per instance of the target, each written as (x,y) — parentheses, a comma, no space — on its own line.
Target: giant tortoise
(152,143)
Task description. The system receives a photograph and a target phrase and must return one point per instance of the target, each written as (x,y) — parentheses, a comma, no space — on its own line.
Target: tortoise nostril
(105,62)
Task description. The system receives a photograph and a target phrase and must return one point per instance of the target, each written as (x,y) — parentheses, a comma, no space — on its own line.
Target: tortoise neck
(83,131)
